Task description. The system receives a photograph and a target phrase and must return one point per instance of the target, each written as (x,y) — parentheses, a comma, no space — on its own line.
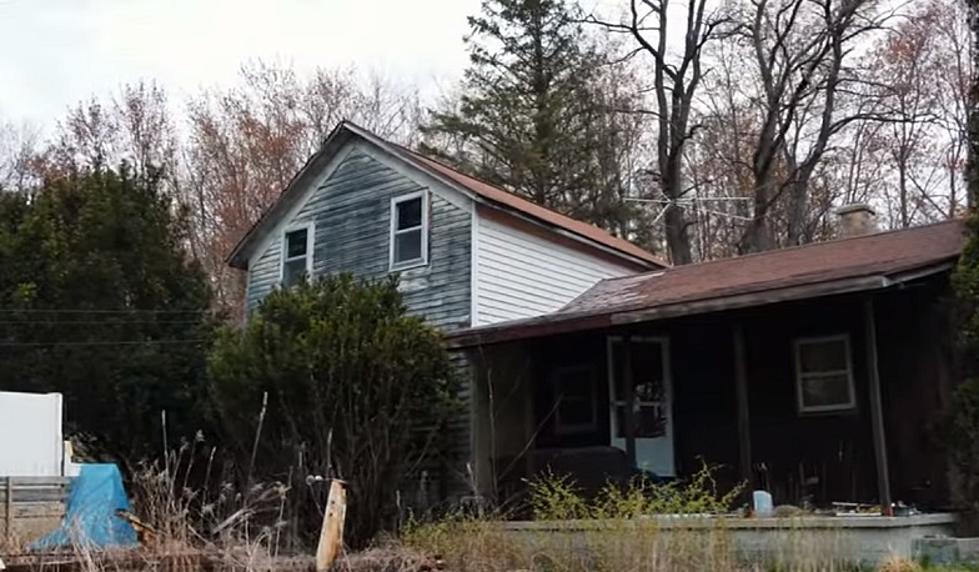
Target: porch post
(630,400)
(744,423)
(877,409)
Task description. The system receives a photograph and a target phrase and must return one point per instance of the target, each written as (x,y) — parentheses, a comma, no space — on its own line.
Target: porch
(817,400)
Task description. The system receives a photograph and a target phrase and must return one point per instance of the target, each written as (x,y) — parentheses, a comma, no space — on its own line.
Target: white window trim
(851,402)
(283,249)
(575,428)
(423,260)
(666,403)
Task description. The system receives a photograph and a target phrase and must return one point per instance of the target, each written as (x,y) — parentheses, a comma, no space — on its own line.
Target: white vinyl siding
(519,275)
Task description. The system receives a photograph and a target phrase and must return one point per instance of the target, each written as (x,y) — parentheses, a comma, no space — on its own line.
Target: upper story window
(824,374)
(297,255)
(409,231)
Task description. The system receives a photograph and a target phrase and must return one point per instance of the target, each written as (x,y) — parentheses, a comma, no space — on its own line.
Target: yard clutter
(91,519)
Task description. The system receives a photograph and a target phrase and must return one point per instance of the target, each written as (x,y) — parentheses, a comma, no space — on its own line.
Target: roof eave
(543,326)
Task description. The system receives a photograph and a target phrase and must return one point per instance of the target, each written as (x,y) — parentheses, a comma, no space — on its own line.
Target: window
(409,231)
(574,389)
(824,374)
(297,255)
(649,386)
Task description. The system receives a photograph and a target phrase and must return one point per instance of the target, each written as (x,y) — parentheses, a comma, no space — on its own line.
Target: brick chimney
(856,219)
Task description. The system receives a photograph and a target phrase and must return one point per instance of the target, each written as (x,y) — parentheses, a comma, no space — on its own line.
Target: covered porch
(818,397)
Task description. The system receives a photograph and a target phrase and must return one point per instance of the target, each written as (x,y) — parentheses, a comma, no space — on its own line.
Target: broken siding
(351,211)
(519,274)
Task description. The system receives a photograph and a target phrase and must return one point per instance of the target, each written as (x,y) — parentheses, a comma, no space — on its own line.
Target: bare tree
(676,79)
(246,143)
(19,147)
(799,49)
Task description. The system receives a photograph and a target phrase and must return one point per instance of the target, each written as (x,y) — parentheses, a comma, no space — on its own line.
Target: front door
(653,412)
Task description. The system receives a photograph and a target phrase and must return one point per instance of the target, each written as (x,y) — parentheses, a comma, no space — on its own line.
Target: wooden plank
(630,400)
(9,512)
(877,409)
(37,481)
(744,421)
(331,535)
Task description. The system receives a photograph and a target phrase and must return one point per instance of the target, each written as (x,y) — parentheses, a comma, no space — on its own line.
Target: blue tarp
(90,514)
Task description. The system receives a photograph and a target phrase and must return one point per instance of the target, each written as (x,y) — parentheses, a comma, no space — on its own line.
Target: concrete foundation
(865,540)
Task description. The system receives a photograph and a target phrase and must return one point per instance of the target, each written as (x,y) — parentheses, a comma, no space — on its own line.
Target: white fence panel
(31,441)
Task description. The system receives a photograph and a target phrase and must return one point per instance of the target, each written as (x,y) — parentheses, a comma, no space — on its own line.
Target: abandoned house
(468,254)
(816,372)
(819,373)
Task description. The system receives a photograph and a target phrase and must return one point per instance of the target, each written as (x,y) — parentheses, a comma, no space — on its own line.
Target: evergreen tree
(964,421)
(99,301)
(540,114)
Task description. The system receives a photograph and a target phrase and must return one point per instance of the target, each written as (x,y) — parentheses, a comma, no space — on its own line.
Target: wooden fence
(29,508)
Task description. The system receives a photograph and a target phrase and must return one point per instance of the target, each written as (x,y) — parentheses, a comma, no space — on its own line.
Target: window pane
(296,243)
(576,412)
(410,213)
(647,371)
(649,420)
(576,383)
(823,356)
(827,390)
(408,246)
(293,272)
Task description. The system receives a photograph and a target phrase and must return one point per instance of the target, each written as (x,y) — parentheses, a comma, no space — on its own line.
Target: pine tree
(540,114)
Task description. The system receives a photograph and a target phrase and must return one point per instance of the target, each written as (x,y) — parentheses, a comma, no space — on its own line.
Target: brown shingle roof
(493,196)
(552,218)
(808,271)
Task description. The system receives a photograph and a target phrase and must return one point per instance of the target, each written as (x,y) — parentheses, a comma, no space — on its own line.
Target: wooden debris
(331,535)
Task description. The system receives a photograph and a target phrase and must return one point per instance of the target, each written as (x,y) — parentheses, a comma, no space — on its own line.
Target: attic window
(824,374)
(297,259)
(409,231)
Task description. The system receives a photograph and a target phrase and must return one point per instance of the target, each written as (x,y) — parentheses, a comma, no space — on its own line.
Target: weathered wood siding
(520,274)
(351,212)
(30,507)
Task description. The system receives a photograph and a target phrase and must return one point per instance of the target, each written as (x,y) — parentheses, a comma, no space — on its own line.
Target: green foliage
(555,497)
(99,301)
(357,389)
(540,114)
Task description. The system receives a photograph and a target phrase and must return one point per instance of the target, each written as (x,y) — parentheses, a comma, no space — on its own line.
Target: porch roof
(863,263)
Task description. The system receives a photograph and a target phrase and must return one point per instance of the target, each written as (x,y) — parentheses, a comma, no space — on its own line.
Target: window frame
(565,429)
(394,231)
(801,376)
(310,229)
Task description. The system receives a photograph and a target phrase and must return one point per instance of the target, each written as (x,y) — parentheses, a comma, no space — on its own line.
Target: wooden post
(877,409)
(741,390)
(10,510)
(331,535)
(630,400)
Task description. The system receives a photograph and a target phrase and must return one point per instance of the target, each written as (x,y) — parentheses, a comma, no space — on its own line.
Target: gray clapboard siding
(351,213)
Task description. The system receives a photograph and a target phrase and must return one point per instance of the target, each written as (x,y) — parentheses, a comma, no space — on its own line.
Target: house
(819,373)
(468,254)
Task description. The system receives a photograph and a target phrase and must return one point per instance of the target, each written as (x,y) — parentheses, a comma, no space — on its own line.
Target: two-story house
(468,254)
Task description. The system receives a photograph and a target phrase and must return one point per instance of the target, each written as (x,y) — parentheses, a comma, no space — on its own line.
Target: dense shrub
(100,300)
(356,389)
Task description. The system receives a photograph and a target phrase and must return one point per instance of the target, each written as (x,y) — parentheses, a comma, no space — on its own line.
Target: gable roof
(861,263)
(474,188)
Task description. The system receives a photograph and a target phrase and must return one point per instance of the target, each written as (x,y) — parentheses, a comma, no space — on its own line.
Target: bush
(356,389)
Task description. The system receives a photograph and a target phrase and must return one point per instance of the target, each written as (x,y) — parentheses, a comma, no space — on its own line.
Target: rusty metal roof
(844,265)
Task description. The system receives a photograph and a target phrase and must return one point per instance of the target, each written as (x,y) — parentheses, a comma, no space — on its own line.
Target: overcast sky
(57,52)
